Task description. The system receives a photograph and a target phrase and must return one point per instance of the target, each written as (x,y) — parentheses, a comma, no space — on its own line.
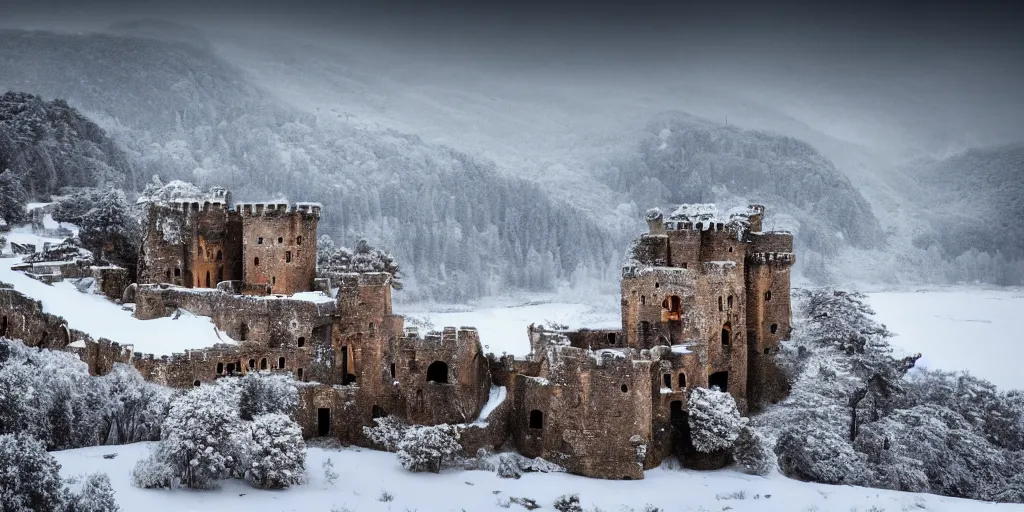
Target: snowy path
(959,329)
(101,318)
(365,474)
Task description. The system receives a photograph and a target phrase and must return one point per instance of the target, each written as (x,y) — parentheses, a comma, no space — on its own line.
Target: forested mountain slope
(460,229)
(50,145)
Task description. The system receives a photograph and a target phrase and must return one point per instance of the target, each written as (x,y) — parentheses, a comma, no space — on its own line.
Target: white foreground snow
(959,329)
(365,474)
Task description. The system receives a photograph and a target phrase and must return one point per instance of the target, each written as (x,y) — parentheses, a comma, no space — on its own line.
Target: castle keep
(704,297)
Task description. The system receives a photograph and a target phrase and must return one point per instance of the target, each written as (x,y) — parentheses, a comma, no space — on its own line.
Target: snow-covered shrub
(110,231)
(277,457)
(508,467)
(12,198)
(203,440)
(568,503)
(428,448)
(95,495)
(715,422)
(266,392)
(811,453)
(153,472)
(387,433)
(29,477)
(136,407)
(752,453)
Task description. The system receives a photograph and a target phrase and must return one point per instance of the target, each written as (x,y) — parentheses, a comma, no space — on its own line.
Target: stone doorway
(323,422)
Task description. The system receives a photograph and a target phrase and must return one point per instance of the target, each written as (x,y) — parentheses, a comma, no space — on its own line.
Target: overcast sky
(952,71)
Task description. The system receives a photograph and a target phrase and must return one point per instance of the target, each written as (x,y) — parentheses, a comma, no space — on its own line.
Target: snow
(680,349)
(101,318)
(958,329)
(497,396)
(316,297)
(364,474)
(504,329)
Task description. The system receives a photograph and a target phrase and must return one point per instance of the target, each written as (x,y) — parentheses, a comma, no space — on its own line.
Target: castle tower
(278,247)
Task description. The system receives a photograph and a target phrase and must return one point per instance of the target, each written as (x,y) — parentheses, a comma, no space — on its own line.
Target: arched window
(263,364)
(768,295)
(280,363)
(299,373)
(657,285)
(668,380)
(726,332)
(220,255)
(252,364)
(536,419)
(682,380)
(437,372)
(195,383)
(720,304)
(729,302)
(220,368)
(243,332)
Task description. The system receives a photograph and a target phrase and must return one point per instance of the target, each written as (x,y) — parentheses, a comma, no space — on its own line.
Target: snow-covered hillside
(365,476)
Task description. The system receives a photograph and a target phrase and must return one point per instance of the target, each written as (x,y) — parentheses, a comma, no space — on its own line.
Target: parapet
(278,208)
(775,241)
(772,258)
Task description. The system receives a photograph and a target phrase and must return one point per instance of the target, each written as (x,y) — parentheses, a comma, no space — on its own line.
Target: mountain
(460,228)
(52,145)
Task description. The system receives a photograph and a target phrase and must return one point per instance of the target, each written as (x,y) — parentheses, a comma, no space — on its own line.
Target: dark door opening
(243,332)
(676,412)
(323,422)
(536,419)
(726,332)
(668,380)
(208,279)
(3,326)
(437,372)
(720,380)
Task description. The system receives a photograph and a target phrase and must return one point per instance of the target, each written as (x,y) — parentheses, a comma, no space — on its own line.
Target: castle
(705,302)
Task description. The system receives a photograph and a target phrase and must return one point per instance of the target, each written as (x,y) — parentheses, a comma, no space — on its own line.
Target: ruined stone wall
(164,245)
(279,247)
(443,377)
(190,243)
(272,321)
(195,367)
(111,281)
(595,339)
(587,411)
(647,308)
(769,318)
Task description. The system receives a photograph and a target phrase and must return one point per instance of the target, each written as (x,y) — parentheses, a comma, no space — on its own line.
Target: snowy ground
(958,329)
(364,475)
(101,318)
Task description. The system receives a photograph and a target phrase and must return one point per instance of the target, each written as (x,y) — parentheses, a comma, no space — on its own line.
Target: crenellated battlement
(265,209)
(778,258)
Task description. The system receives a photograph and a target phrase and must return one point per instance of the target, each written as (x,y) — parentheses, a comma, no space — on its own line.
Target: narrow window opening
(208,279)
(220,368)
(726,332)
(243,332)
(273,280)
(774,328)
(729,302)
(373,328)
(392,370)
(299,373)
(438,372)
(177,272)
(298,240)
(252,364)
(3,326)
(667,380)
(287,256)
(730,249)
(657,284)
(195,383)
(684,264)
(168,273)
(611,338)
(768,295)
(643,300)
(720,308)
(624,388)
(256,262)
(280,240)
(280,363)
(536,419)
(220,256)
(302,341)
(323,421)
(682,380)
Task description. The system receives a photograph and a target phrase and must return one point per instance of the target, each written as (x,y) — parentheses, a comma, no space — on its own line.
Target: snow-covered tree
(568,503)
(12,198)
(429,448)
(387,433)
(203,441)
(29,477)
(266,392)
(814,452)
(95,495)
(752,453)
(156,191)
(277,456)
(364,258)
(110,230)
(136,407)
(715,422)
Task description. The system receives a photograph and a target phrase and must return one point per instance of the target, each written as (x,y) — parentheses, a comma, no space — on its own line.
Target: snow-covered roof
(697,212)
